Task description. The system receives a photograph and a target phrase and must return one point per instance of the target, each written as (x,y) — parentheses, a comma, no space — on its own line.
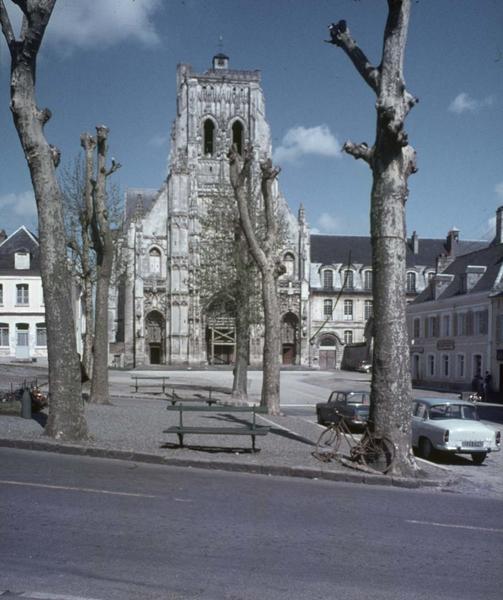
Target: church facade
(165,316)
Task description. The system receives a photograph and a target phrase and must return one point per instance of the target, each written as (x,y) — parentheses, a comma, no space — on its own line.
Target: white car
(451,425)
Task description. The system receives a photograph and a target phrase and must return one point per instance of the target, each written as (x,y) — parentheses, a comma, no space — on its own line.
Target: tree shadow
(40,418)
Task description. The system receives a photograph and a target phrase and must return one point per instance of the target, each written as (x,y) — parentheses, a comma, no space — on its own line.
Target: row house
(23,333)
(456,323)
(341,300)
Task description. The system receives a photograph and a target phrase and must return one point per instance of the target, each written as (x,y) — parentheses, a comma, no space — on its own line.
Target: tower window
(237,136)
(209,137)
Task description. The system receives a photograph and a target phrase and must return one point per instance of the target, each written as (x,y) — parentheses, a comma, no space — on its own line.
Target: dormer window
(348,281)
(22,260)
(411,282)
(209,137)
(328,279)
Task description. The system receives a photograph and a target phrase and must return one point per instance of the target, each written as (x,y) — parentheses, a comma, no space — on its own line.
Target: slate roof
(21,239)
(332,249)
(491,257)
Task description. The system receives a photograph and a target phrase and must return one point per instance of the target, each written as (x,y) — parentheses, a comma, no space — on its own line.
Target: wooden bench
(251,429)
(174,398)
(149,381)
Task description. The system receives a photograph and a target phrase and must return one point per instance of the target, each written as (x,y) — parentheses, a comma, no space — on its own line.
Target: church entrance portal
(154,337)
(289,329)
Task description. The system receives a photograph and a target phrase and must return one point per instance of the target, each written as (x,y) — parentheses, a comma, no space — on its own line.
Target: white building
(22,313)
(456,323)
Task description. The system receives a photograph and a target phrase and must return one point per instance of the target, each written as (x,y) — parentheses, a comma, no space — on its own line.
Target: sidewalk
(131,429)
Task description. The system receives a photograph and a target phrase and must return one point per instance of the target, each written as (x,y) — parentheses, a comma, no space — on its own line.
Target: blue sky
(113,62)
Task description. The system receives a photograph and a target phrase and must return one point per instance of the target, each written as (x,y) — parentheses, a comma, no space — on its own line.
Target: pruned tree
(392,160)
(66,412)
(103,245)
(265,255)
(78,211)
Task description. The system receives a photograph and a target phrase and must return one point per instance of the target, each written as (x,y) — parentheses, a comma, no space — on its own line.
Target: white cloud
(327,223)
(463,102)
(18,209)
(299,141)
(22,204)
(102,23)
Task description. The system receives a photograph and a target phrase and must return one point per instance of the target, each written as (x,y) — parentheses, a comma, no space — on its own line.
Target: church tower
(214,110)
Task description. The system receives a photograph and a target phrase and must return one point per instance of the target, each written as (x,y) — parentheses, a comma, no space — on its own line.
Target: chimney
(499,227)
(3,235)
(452,242)
(414,243)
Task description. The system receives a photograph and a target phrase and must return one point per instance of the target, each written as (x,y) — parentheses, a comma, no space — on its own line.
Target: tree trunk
(243,294)
(391,386)
(392,161)
(66,411)
(87,307)
(99,382)
(271,362)
(104,247)
(239,384)
(268,263)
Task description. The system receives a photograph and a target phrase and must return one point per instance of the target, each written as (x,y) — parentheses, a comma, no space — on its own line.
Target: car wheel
(479,457)
(425,448)
(320,419)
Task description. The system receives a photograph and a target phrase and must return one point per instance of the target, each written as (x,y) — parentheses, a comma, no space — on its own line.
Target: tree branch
(269,174)
(359,151)
(240,168)
(340,36)
(8,32)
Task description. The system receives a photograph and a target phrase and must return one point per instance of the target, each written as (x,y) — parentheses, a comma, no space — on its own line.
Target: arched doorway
(221,331)
(328,352)
(155,337)
(289,338)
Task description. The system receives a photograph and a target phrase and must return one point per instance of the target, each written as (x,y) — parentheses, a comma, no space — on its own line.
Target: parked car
(451,425)
(354,406)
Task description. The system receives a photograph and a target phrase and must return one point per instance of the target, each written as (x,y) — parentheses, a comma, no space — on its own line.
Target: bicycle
(374,451)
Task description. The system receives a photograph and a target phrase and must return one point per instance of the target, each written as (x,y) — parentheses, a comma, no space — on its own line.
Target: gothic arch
(238,135)
(209,135)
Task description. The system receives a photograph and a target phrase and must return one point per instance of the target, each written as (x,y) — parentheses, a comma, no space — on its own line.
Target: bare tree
(78,208)
(228,272)
(264,253)
(392,161)
(66,412)
(103,245)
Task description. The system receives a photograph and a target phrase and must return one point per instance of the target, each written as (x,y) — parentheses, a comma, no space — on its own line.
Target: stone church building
(166,313)
(164,316)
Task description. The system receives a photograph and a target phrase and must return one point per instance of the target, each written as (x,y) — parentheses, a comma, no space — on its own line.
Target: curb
(274,470)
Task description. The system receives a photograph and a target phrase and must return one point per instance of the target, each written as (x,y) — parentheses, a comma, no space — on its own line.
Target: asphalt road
(103,529)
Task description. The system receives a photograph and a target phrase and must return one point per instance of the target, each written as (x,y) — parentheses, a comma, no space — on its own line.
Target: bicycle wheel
(378,453)
(328,444)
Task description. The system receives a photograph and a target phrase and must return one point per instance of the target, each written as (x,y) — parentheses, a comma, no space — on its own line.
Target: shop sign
(445,345)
